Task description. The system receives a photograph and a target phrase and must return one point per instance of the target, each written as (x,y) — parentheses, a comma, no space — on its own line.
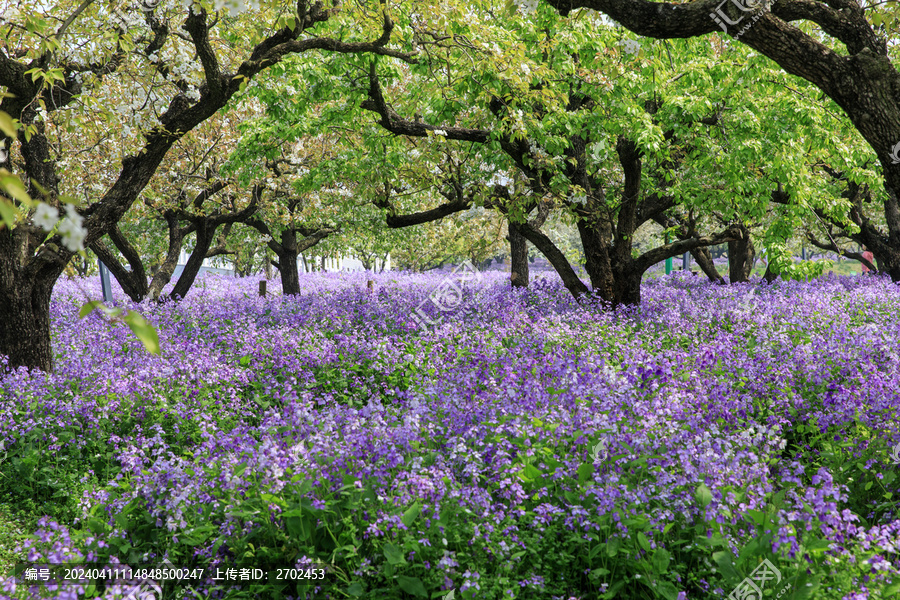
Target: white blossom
(630,46)
(579,199)
(440,132)
(71,230)
(45,216)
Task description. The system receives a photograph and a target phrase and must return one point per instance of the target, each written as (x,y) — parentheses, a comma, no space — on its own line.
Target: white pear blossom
(45,217)
(72,231)
(9,14)
(440,132)
(630,46)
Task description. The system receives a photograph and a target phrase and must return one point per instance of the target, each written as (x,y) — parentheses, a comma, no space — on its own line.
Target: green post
(668,260)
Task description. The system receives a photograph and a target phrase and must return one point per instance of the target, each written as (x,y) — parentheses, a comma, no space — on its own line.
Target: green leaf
(356,589)
(412,585)
(7,125)
(667,590)
(411,513)
(643,541)
(724,560)
(612,546)
(393,554)
(531,472)
(88,308)
(13,186)
(703,495)
(197,536)
(8,214)
(660,561)
(585,472)
(144,331)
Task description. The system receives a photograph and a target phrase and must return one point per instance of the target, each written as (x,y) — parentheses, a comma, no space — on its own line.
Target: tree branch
(397,125)
(832,247)
(660,253)
(196,26)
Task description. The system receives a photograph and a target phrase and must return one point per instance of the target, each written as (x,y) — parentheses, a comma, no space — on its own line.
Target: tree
(842,54)
(194,199)
(560,127)
(47,70)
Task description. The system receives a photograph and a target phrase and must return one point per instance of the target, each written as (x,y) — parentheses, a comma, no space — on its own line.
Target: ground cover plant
(524,446)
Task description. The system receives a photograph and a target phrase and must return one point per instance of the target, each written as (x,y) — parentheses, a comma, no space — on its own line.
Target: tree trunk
(290,279)
(205,234)
(888,261)
(556,258)
(25,336)
(518,257)
(131,283)
(25,302)
(597,261)
(287,263)
(705,261)
(164,273)
(741,256)
(627,286)
(81,265)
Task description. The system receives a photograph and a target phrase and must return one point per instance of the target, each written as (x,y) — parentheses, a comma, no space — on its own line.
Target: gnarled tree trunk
(25,308)
(25,290)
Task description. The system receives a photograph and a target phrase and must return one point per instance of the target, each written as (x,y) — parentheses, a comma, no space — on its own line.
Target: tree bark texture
(741,257)
(518,257)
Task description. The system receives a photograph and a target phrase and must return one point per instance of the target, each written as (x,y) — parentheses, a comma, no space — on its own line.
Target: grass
(14,528)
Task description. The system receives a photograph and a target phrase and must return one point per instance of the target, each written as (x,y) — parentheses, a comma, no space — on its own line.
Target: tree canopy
(439,131)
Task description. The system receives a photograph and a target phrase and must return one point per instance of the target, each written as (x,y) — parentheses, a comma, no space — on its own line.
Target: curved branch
(397,125)
(553,254)
(832,247)
(661,253)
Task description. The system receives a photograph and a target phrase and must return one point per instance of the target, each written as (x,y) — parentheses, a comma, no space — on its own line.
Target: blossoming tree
(185,64)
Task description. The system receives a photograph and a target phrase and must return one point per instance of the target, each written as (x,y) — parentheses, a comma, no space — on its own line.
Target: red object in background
(869,257)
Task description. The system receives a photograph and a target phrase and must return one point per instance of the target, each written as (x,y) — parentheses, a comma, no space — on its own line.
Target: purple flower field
(523,447)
